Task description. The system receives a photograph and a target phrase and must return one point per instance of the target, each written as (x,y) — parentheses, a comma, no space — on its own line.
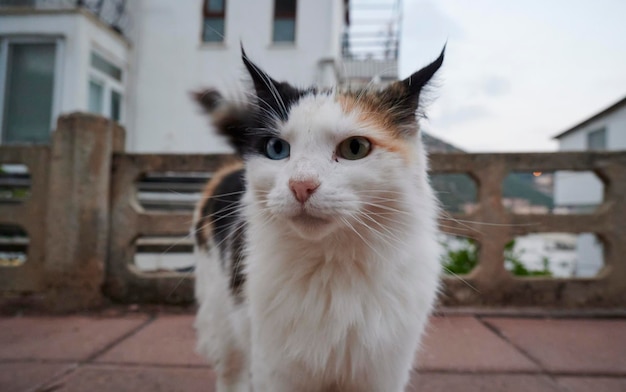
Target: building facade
(182,46)
(604,131)
(576,192)
(56,58)
(138,61)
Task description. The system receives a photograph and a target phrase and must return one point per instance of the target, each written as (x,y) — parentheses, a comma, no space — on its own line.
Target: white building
(604,131)
(184,45)
(55,58)
(583,192)
(137,61)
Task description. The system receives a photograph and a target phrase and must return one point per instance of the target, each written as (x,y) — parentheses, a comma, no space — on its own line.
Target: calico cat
(317,258)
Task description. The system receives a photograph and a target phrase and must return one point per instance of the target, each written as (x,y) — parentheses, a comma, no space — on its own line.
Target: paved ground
(462,353)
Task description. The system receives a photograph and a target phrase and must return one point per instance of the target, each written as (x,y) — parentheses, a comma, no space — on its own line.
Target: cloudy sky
(516,72)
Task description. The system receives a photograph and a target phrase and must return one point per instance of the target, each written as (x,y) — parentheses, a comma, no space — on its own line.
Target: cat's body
(317,258)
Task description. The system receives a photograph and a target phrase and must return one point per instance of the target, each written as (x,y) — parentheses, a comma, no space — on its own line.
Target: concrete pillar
(77,219)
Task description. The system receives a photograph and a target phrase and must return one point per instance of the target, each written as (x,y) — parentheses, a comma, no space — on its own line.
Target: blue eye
(276,148)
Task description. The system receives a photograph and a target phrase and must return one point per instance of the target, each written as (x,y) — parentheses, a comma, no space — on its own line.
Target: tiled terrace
(463,352)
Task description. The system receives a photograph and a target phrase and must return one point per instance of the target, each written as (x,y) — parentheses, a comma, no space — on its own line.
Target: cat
(317,253)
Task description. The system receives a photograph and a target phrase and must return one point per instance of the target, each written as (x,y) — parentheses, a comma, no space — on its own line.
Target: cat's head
(327,160)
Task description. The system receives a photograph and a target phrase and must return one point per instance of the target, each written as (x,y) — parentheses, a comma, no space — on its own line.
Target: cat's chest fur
(334,304)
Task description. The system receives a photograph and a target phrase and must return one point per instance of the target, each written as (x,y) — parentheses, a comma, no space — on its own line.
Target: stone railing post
(77,220)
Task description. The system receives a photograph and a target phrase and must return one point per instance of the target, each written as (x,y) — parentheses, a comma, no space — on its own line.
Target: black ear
(209,99)
(275,97)
(230,119)
(401,99)
(416,82)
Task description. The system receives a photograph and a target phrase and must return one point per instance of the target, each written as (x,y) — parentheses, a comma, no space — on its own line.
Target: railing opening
(164,254)
(459,254)
(577,192)
(550,192)
(15,183)
(170,191)
(556,255)
(456,192)
(528,193)
(13,246)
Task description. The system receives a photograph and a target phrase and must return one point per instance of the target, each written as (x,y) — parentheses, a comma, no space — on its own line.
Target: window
(596,140)
(284,21)
(116,106)
(27,90)
(105,88)
(96,97)
(99,63)
(214,12)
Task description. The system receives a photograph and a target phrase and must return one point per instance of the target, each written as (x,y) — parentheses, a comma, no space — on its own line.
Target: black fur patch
(247,126)
(274,98)
(229,228)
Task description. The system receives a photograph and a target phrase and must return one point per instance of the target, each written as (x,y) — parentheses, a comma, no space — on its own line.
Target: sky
(516,73)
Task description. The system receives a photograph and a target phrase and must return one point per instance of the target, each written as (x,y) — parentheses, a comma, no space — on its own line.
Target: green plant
(463,259)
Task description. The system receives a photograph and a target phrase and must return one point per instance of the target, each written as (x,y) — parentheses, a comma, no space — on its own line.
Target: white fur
(337,300)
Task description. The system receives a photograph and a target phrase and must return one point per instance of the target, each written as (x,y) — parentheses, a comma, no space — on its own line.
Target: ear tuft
(274,97)
(400,100)
(262,81)
(417,81)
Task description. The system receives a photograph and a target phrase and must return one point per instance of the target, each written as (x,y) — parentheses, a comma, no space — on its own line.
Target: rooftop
(135,351)
(616,106)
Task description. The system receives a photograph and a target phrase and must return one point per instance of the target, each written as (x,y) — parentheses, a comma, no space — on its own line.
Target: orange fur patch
(232,366)
(389,137)
(203,224)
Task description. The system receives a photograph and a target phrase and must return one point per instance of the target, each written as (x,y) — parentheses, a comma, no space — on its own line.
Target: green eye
(354,148)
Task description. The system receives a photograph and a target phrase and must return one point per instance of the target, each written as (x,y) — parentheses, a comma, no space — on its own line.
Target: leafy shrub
(463,259)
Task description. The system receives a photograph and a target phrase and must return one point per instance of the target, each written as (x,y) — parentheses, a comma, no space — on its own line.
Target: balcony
(370,43)
(113,13)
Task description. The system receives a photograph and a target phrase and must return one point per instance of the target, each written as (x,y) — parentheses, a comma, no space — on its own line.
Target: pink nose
(302,190)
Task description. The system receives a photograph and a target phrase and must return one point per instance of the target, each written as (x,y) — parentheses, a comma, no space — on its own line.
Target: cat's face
(330,165)
(318,162)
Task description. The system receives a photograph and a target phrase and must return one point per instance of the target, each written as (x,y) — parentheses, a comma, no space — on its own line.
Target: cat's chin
(311,227)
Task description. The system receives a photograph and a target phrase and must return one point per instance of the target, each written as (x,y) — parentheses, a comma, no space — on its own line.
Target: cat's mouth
(310,226)
(306,219)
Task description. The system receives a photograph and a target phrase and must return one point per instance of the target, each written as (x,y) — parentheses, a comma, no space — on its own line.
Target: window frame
(210,14)
(109,84)
(276,15)
(57,85)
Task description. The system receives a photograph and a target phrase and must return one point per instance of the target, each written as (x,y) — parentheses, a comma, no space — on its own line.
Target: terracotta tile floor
(461,353)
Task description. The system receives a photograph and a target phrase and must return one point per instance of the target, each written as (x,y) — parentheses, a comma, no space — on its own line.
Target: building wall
(77,33)
(583,191)
(170,60)
(571,188)
(615,124)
